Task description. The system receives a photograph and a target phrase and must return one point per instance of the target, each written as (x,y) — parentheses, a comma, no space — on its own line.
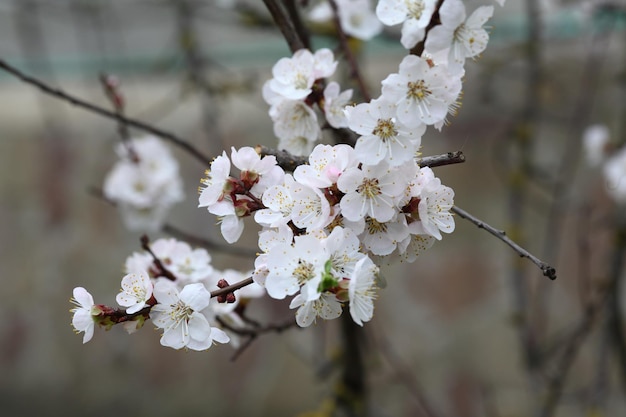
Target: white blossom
(436,200)
(463,38)
(615,175)
(422,93)
(180,317)
(326,164)
(384,137)
(414,15)
(335,103)
(372,191)
(136,291)
(83,313)
(361,290)
(296,267)
(595,141)
(144,184)
(326,306)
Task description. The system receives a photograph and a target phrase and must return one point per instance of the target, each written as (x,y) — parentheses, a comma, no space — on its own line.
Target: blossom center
(385,129)
(304,272)
(418,90)
(369,188)
(301,82)
(415,8)
(180,312)
(374,226)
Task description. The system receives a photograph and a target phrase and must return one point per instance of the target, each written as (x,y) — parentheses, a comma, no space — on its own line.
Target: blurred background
(470,326)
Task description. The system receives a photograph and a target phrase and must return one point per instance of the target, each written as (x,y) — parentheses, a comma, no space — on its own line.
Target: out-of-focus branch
(285,25)
(55,92)
(355,73)
(176,232)
(253,334)
(208,244)
(298,24)
(403,373)
(547,270)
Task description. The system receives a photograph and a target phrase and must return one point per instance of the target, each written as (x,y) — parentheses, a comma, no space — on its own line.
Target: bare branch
(55,92)
(285,25)
(355,73)
(290,162)
(231,288)
(547,270)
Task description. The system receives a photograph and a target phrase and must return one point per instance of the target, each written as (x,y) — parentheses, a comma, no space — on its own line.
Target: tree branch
(355,74)
(547,270)
(285,25)
(290,162)
(55,92)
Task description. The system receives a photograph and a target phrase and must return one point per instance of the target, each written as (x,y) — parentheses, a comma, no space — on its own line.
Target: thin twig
(355,73)
(252,334)
(55,92)
(547,270)
(403,373)
(233,287)
(163,271)
(557,380)
(177,233)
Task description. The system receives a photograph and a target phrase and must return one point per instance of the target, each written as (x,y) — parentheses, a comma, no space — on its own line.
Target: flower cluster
(144,183)
(297,85)
(326,225)
(173,292)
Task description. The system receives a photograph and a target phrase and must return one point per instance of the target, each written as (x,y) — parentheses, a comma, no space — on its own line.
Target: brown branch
(208,244)
(233,287)
(179,234)
(355,73)
(298,24)
(145,245)
(434,21)
(252,334)
(547,270)
(290,162)
(285,25)
(55,92)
